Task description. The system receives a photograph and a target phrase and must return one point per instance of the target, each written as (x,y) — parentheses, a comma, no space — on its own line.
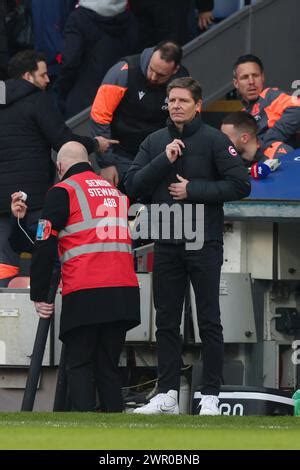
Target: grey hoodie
(105,7)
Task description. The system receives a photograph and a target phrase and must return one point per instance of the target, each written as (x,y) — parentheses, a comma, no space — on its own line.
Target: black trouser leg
(204,269)
(107,373)
(92,357)
(169,284)
(80,346)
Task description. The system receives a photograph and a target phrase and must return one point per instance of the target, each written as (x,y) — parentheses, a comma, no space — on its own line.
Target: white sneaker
(163,403)
(209,405)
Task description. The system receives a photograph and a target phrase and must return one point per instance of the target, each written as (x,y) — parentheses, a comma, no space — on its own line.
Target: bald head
(70,154)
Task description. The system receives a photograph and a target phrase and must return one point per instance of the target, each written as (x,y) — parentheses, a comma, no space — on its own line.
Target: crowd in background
(82,39)
(124,58)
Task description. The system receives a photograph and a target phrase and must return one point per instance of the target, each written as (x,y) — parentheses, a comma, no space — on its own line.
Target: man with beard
(131,103)
(30,126)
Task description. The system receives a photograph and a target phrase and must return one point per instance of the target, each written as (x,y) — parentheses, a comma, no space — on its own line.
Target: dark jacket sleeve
(146,172)
(53,127)
(109,95)
(44,256)
(204,5)
(17,239)
(232,180)
(285,127)
(72,53)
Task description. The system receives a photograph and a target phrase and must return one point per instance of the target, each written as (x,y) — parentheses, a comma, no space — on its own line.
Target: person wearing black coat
(169,19)
(3,35)
(193,169)
(95,36)
(131,103)
(30,126)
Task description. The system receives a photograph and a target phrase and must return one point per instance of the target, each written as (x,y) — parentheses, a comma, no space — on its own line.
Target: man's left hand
(178,190)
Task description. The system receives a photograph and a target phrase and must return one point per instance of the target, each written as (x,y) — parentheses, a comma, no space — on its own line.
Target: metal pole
(39,348)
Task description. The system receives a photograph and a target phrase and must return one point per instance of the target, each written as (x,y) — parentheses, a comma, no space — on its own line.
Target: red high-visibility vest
(95,245)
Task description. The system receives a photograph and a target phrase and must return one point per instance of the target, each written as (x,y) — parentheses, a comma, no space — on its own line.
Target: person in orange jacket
(132,102)
(277,113)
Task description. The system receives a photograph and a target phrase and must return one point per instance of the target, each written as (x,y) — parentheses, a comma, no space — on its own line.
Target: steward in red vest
(95,245)
(85,217)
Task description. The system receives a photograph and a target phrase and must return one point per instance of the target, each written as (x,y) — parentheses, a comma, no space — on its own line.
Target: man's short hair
(24,61)
(188,83)
(170,51)
(242,121)
(247,58)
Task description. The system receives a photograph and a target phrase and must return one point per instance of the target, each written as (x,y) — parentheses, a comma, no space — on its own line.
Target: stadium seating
(19,282)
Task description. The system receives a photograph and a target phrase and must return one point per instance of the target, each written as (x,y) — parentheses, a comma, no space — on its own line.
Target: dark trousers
(92,358)
(173,264)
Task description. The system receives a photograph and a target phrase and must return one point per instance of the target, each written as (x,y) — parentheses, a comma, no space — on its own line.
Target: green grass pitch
(41,431)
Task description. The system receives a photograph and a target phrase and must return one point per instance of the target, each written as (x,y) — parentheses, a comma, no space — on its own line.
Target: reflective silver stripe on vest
(88,222)
(94,223)
(83,203)
(95,248)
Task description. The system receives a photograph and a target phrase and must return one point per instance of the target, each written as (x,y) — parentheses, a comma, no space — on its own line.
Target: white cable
(24,231)
(151,381)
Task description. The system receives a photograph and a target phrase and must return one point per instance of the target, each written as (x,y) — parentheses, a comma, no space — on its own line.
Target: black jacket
(91,45)
(211,164)
(204,5)
(29,127)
